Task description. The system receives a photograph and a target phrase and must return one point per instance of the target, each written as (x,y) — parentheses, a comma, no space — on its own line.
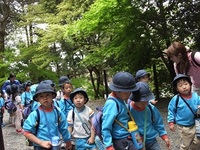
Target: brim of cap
(117,89)
(44,91)
(147,98)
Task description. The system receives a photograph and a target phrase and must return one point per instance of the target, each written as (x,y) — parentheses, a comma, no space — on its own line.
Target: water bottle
(99,143)
(137,139)
(197,123)
(55,142)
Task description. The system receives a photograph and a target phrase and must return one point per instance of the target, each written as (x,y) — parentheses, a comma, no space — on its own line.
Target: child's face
(79,100)
(67,89)
(123,95)
(45,99)
(144,78)
(28,88)
(183,87)
(141,104)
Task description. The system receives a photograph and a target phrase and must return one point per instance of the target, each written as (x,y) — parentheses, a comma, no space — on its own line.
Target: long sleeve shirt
(114,109)
(180,113)
(154,122)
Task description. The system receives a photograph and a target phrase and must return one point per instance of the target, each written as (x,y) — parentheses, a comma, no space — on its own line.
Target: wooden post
(156,82)
(106,83)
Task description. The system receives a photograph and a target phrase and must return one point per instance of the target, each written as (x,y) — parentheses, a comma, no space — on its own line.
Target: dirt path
(13,141)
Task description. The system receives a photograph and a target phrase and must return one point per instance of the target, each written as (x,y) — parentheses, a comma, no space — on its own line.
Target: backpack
(26,111)
(10,106)
(97,120)
(193,59)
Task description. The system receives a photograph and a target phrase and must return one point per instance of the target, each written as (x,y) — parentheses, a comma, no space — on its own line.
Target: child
(141,112)
(114,135)
(65,103)
(61,81)
(26,96)
(181,110)
(2,108)
(52,120)
(17,101)
(79,120)
(143,76)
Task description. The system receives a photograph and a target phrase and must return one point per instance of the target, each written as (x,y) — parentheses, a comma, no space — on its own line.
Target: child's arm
(34,139)
(92,136)
(70,128)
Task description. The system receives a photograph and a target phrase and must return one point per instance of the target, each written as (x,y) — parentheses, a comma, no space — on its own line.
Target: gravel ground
(13,141)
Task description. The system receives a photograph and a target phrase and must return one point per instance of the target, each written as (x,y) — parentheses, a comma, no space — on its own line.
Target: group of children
(131,99)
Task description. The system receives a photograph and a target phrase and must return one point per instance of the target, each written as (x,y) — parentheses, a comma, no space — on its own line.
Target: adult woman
(186,62)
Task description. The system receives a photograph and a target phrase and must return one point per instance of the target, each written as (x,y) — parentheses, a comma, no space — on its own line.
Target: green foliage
(85,84)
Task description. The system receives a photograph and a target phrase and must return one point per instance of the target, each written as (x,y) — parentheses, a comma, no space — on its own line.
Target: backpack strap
(66,101)
(84,125)
(151,110)
(58,113)
(38,121)
(177,99)
(193,59)
(187,105)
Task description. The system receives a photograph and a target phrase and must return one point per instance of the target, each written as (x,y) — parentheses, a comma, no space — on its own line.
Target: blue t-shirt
(49,125)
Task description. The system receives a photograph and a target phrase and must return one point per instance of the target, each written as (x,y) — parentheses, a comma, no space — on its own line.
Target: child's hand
(45,144)
(153,101)
(68,145)
(168,143)
(90,140)
(171,126)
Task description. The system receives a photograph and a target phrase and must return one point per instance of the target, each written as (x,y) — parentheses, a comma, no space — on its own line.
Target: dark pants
(123,144)
(1,116)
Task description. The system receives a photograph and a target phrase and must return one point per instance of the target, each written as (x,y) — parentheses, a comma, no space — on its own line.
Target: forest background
(91,40)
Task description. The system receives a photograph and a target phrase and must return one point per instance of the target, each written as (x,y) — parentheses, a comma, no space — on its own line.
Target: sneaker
(20,131)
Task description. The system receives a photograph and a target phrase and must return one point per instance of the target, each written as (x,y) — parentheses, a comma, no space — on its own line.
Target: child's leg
(12,119)
(195,143)
(153,145)
(18,121)
(123,144)
(187,135)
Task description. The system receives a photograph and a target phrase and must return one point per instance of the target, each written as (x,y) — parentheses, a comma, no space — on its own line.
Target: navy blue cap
(141,73)
(123,82)
(43,88)
(63,80)
(50,82)
(144,93)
